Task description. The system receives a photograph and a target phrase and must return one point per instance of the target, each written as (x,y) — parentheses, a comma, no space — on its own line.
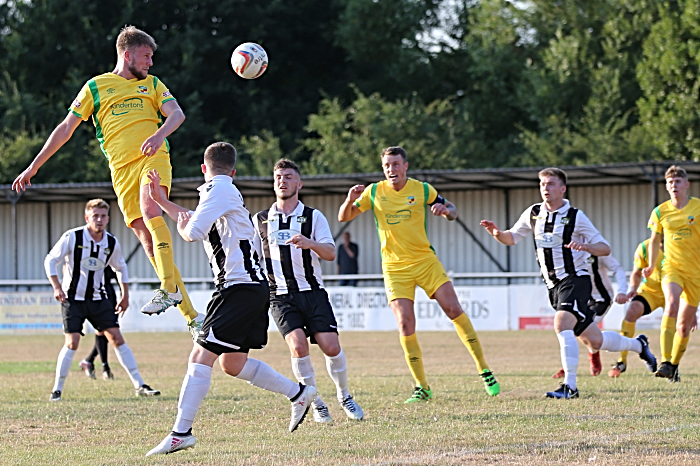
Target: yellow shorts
(654,297)
(127,182)
(691,291)
(401,282)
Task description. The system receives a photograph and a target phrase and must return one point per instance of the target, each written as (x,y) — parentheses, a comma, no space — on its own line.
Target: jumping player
(294,237)
(128,107)
(400,206)
(237,318)
(564,240)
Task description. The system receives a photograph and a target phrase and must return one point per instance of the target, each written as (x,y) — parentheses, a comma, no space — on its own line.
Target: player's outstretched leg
(628,330)
(467,334)
(304,372)
(615,343)
(337,369)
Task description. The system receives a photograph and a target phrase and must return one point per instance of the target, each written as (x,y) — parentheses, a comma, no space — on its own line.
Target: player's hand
(59,295)
(151,145)
(576,246)
(490,227)
(439,209)
(122,306)
(154,186)
(646,271)
(631,295)
(300,242)
(23,180)
(621,298)
(355,192)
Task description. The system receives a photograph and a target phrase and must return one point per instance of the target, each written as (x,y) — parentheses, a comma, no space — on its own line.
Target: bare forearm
(172,122)
(170,208)
(598,249)
(125,289)
(55,283)
(635,279)
(348,211)
(325,251)
(504,237)
(452,211)
(56,140)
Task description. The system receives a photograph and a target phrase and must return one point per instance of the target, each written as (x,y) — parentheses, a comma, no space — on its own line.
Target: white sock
(128,361)
(614,342)
(569,356)
(194,388)
(263,376)
(338,371)
(65,359)
(304,372)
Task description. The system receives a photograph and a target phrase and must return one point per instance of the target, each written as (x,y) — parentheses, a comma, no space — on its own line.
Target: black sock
(178,434)
(301,389)
(101,347)
(93,354)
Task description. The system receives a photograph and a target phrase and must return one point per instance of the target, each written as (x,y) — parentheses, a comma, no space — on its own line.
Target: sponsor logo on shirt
(682,234)
(92,264)
(143,90)
(548,241)
(76,104)
(134,104)
(209,188)
(384,199)
(166,94)
(411,200)
(398,217)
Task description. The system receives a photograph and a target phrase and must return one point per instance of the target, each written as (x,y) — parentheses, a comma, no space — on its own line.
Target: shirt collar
(223,178)
(561,209)
(298,210)
(88,236)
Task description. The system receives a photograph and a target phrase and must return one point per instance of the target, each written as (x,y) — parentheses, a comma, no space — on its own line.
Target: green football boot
(420,394)
(490,383)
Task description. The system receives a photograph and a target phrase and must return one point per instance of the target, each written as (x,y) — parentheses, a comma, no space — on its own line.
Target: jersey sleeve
(585,228)
(655,222)
(322,231)
(620,276)
(641,260)
(364,202)
(59,251)
(211,206)
(117,262)
(163,94)
(83,105)
(522,227)
(432,194)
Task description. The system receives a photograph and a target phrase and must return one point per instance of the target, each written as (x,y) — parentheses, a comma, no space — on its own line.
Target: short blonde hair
(131,37)
(96,204)
(675,171)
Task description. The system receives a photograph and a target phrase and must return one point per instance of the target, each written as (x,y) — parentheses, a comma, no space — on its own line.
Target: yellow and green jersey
(125,112)
(681,232)
(401,218)
(641,261)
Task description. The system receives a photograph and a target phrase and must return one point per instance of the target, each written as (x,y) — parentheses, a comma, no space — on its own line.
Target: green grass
(637,419)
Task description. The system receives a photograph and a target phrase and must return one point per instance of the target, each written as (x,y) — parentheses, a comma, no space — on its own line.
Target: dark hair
(221,157)
(675,171)
(131,37)
(558,172)
(286,163)
(395,150)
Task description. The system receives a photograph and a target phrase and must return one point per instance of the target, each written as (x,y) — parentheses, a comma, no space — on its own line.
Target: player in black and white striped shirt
(564,240)
(83,253)
(237,318)
(294,237)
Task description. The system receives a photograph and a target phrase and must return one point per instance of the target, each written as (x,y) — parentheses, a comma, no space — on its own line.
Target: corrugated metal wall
(619,212)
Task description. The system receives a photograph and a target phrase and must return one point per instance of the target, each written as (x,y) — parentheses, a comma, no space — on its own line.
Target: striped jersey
(290,269)
(222,221)
(599,269)
(82,261)
(125,113)
(552,230)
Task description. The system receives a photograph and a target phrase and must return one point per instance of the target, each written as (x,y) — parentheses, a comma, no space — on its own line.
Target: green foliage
(258,154)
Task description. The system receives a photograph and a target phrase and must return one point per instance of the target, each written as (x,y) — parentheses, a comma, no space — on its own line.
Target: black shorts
(310,311)
(572,295)
(599,307)
(100,314)
(645,303)
(236,320)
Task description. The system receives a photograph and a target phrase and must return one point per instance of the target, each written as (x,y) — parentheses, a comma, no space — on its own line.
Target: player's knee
(72,345)
(331,350)
(453,310)
(634,312)
(683,329)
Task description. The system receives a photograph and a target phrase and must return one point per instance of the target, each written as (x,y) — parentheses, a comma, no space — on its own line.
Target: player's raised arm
(445,209)
(60,135)
(503,237)
(349,210)
(174,118)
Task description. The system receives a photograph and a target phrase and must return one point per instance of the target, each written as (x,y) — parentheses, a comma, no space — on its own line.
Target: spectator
(347,260)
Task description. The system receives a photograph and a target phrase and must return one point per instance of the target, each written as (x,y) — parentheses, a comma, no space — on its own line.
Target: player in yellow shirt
(128,107)
(675,221)
(646,296)
(400,206)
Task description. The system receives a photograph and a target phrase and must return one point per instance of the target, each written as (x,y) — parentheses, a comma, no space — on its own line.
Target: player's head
(552,184)
(136,48)
(287,179)
(219,159)
(395,166)
(97,215)
(676,181)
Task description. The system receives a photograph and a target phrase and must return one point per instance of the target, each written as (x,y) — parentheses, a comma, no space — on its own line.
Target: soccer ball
(249,60)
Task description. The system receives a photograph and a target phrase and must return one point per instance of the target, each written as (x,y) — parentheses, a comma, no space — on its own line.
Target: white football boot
(321,413)
(301,405)
(172,443)
(161,301)
(351,408)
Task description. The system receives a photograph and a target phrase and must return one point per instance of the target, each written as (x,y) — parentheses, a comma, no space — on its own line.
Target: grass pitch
(636,419)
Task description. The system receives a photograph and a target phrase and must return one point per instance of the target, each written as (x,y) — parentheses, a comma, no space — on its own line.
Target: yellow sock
(627,330)
(467,334)
(414,358)
(163,252)
(679,345)
(668,330)
(185,307)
